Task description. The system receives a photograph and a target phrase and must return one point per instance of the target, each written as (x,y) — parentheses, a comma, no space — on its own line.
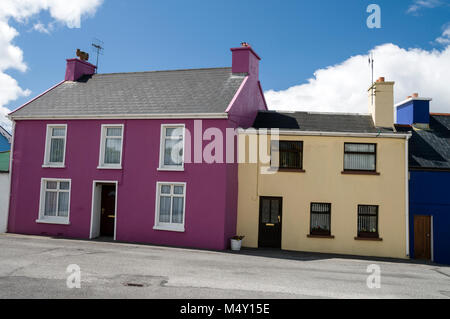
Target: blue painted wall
(415,111)
(4,144)
(430,195)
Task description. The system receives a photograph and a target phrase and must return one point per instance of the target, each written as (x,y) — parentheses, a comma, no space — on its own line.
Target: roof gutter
(321,133)
(126,116)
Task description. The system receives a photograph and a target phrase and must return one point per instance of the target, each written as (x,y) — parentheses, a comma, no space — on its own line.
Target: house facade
(5,147)
(429,170)
(329,183)
(126,155)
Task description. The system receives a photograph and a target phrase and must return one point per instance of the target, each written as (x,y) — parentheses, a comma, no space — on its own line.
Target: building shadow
(309,256)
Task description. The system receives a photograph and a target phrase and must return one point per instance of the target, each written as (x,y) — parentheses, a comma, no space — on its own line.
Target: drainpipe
(407,191)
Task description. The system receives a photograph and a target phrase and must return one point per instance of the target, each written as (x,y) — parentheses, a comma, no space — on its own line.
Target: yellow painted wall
(322,181)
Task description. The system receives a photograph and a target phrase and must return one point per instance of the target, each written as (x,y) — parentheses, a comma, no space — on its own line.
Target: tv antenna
(371,62)
(98,48)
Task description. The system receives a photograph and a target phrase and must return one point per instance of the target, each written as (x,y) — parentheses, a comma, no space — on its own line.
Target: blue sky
(294,38)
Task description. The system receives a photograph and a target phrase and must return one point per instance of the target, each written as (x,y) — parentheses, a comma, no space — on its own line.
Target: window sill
(53,222)
(53,166)
(287,170)
(110,167)
(369,238)
(179,229)
(168,169)
(359,173)
(321,236)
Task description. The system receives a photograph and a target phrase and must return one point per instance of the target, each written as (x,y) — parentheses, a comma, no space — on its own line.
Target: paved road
(35,267)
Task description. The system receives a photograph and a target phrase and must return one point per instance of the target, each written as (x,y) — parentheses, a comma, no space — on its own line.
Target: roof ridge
(440,114)
(324,113)
(159,71)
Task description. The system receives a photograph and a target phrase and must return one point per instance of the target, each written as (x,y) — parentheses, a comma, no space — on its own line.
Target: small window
(368,221)
(111,146)
(321,219)
(172,147)
(170,206)
(55,201)
(287,154)
(55,145)
(360,157)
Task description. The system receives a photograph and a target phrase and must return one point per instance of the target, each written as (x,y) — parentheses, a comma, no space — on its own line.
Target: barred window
(287,154)
(321,219)
(360,157)
(368,221)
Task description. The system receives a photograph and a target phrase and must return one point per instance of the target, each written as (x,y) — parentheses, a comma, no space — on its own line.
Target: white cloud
(343,87)
(40,27)
(419,4)
(68,13)
(444,39)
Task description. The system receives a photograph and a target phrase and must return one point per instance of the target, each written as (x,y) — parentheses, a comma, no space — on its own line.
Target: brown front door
(270,222)
(108,210)
(422,237)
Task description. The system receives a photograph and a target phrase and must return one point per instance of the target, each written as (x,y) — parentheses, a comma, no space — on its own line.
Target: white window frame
(102,164)
(163,167)
(48,144)
(169,226)
(42,219)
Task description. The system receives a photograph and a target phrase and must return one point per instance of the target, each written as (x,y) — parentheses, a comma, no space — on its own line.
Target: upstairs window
(172,147)
(55,150)
(111,146)
(55,201)
(368,221)
(360,157)
(321,219)
(287,155)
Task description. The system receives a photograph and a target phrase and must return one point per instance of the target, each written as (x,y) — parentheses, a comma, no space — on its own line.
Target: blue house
(5,140)
(429,181)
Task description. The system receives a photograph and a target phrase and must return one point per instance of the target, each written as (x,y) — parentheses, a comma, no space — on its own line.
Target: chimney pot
(380,79)
(415,95)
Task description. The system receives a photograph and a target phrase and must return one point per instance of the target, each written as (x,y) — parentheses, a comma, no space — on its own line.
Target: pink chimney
(245,60)
(76,68)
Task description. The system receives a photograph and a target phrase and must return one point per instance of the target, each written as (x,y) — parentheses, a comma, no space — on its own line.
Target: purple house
(126,155)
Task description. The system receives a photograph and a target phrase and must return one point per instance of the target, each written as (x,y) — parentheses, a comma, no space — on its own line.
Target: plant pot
(236,244)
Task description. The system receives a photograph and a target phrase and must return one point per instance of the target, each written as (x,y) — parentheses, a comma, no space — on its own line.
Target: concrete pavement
(35,267)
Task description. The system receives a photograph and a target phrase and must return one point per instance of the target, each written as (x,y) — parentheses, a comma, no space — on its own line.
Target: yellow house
(329,183)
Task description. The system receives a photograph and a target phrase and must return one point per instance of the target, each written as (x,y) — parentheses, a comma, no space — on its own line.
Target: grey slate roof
(157,92)
(323,122)
(430,149)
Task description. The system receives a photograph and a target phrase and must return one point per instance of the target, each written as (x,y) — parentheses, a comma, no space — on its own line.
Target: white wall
(4,198)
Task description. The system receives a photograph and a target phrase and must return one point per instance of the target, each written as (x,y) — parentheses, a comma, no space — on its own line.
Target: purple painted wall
(211,189)
(206,189)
